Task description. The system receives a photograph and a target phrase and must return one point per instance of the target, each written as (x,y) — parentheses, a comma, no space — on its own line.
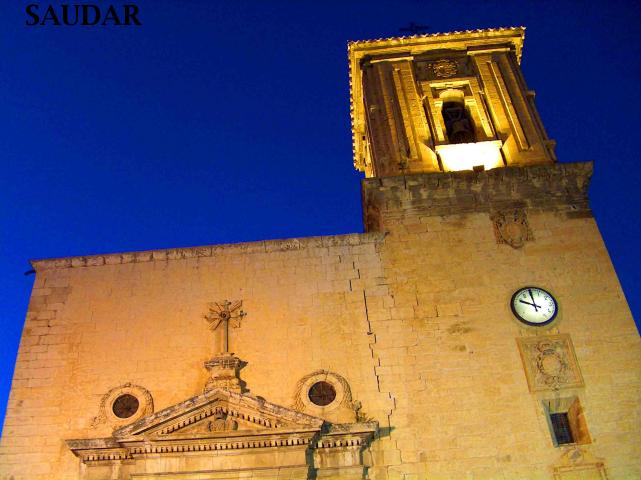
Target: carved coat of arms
(550,362)
(444,68)
(511,227)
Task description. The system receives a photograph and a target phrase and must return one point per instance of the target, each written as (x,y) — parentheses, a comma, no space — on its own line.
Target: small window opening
(322,393)
(567,421)
(561,428)
(458,123)
(125,406)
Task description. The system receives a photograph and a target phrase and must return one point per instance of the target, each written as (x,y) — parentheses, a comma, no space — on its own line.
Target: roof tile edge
(520,30)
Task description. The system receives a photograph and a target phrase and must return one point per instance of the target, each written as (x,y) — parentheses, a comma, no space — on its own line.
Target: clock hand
(536,307)
(528,303)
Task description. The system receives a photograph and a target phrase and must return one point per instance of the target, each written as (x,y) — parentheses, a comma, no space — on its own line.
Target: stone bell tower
(462,178)
(447,103)
(444,103)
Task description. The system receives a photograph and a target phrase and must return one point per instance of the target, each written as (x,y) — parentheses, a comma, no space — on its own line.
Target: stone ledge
(549,187)
(264,246)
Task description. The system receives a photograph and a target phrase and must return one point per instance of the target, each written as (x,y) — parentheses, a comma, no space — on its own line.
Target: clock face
(534,306)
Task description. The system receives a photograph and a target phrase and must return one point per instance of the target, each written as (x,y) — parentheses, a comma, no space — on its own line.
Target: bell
(461,132)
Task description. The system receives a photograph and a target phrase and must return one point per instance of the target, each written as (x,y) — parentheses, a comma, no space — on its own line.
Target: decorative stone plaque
(511,227)
(578,463)
(549,362)
(444,68)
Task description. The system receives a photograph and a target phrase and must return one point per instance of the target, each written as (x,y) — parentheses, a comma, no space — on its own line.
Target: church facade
(477,328)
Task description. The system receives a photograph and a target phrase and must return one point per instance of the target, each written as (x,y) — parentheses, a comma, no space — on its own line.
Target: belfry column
(399,137)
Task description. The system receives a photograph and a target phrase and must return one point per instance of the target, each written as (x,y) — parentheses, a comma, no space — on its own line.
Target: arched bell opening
(459,125)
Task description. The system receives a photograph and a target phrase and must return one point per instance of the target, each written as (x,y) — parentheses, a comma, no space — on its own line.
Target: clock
(534,306)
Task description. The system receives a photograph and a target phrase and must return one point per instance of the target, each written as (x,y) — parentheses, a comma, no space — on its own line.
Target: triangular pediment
(221,420)
(219,412)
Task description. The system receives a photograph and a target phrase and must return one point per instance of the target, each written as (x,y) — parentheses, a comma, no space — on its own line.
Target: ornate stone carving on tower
(511,227)
(550,362)
(224,367)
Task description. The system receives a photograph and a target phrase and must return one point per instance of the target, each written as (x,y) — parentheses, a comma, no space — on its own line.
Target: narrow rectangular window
(561,427)
(566,421)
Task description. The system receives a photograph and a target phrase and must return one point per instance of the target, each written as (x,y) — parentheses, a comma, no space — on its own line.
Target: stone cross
(224,313)
(414,28)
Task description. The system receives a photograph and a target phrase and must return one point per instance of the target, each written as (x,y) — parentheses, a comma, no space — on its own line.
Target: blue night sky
(228,121)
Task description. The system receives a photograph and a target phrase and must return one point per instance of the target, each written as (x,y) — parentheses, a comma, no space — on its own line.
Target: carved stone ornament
(579,463)
(224,372)
(444,68)
(220,421)
(511,227)
(107,413)
(549,362)
(224,367)
(223,314)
